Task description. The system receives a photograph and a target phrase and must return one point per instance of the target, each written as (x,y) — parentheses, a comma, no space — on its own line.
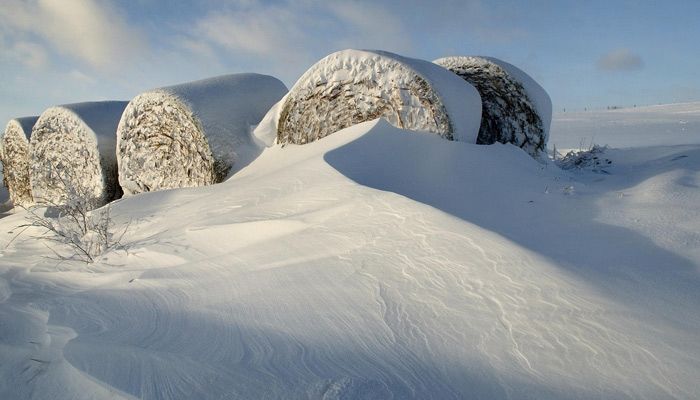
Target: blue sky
(584,53)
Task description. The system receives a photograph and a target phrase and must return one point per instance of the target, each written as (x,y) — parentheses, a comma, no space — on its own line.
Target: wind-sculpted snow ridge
(72,153)
(334,271)
(354,86)
(508,114)
(194,133)
(14,154)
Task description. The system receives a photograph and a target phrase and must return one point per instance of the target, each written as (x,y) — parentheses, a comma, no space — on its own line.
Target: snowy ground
(661,125)
(379,264)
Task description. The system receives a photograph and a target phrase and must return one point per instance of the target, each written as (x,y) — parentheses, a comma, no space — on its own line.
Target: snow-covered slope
(192,134)
(376,264)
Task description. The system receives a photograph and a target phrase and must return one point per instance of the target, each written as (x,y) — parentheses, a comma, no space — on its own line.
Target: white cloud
(263,31)
(620,60)
(30,54)
(197,48)
(298,31)
(89,30)
(369,24)
(81,77)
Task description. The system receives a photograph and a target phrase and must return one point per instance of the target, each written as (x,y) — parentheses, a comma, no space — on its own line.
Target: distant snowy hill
(376,264)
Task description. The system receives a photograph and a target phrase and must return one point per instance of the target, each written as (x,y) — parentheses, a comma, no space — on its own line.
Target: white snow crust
(14,154)
(193,134)
(353,86)
(72,150)
(265,133)
(376,264)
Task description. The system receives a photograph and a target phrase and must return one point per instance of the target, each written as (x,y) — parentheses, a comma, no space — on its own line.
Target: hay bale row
(185,135)
(352,86)
(14,154)
(192,134)
(197,133)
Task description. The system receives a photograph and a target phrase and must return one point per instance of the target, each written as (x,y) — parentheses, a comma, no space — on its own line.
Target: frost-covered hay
(353,86)
(510,112)
(15,159)
(192,134)
(72,153)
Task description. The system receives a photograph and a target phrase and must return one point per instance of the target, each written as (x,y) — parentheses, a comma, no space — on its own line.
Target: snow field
(353,86)
(72,153)
(332,270)
(15,159)
(508,115)
(660,125)
(192,134)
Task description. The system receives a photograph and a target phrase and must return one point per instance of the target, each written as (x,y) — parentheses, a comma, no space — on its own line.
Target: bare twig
(74,222)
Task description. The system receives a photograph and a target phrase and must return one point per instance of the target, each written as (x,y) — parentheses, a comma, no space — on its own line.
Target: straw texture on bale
(354,86)
(509,112)
(192,134)
(14,155)
(72,154)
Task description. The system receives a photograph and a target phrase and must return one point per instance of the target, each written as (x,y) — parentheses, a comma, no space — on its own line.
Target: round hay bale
(72,154)
(192,134)
(515,109)
(15,159)
(354,86)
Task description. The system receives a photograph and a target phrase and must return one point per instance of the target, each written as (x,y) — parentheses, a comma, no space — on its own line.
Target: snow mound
(352,86)
(15,159)
(444,271)
(194,133)
(509,113)
(72,153)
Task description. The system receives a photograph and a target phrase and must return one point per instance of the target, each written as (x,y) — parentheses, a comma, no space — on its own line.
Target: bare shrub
(87,234)
(74,224)
(591,159)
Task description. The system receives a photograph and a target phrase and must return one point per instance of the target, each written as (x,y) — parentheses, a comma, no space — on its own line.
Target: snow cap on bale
(192,134)
(515,108)
(72,153)
(353,86)
(14,154)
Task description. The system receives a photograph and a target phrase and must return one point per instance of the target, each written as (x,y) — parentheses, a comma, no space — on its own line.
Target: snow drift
(515,109)
(353,86)
(431,281)
(72,153)
(14,155)
(192,134)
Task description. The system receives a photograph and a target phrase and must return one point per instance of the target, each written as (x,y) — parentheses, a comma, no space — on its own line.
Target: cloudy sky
(585,53)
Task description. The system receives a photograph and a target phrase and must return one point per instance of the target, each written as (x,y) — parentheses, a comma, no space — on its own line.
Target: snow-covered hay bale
(354,86)
(515,109)
(73,153)
(192,134)
(14,154)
